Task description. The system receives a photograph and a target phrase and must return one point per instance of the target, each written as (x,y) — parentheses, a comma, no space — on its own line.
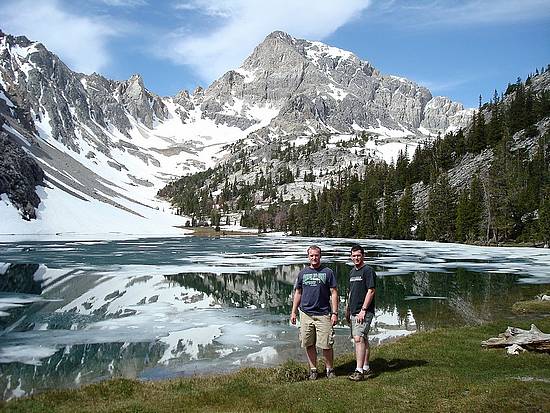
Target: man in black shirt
(360,309)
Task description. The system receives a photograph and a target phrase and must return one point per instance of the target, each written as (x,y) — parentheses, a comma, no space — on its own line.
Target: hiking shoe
(313,375)
(356,376)
(367,373)
(331,374)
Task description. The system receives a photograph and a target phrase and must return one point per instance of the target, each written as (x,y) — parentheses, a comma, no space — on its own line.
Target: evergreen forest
(487,184)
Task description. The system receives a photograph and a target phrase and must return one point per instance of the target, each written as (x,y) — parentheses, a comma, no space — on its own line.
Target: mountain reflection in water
(77,312)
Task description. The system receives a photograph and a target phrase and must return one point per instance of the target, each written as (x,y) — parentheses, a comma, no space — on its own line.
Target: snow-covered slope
(115,144)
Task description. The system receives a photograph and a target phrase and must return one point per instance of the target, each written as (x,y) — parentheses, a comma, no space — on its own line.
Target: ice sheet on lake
(188,342)
(26,354)
(137,293)
(266,355)
(20,300)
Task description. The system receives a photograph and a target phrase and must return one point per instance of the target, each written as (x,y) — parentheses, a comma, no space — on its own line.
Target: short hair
(358,247)
(314,247)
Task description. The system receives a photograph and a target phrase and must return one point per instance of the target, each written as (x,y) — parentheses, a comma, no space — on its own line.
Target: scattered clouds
(468,12)
(80,41)
(244,23)
(443,86)
(222,8)
(124,3)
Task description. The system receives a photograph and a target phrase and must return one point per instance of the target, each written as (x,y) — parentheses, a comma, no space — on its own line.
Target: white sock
(366,367)
(359,369)
(328,369)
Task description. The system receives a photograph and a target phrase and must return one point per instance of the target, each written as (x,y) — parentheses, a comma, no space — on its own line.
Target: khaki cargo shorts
(316,330)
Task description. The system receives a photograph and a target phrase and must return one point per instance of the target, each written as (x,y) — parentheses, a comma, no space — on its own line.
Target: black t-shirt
(360,281)
(315,285)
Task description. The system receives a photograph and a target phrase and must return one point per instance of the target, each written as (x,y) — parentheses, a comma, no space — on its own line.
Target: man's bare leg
(311,353)
(329,357)
(361,352)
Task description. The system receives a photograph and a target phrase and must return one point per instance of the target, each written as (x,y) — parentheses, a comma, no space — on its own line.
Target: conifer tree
(496,124)
(462,216)
(406,215)
(505,186)
(292,221)
(389,223)
(476,207)
(401,170)
(544,218)
(441,211)
(368,214)
(345,216)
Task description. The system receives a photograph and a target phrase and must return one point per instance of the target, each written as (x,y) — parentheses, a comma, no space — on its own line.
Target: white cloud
(441,86)
(467,12)
(124,3)
(244,23)
(221,8)
(81,42)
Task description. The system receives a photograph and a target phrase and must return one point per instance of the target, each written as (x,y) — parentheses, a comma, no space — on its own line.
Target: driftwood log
(517,339)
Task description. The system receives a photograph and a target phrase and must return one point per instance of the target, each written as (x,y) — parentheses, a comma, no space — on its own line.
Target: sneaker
(313,375)
(331,374)
(367,372)
(356,376)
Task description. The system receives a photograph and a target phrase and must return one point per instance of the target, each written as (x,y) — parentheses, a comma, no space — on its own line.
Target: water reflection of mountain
(75,365)
(66,302)
(435,299)
(17,288)
(270,288)
(440,299)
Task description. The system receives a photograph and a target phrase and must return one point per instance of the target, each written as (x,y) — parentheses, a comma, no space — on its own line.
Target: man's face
(357,258)
(314,257)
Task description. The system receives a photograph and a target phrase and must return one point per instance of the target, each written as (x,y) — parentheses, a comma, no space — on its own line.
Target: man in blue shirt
(316,295)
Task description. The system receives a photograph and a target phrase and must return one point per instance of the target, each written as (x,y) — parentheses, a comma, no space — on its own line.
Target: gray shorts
(361,329)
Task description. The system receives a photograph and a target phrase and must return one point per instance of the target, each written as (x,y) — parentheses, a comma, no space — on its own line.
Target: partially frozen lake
(78,312)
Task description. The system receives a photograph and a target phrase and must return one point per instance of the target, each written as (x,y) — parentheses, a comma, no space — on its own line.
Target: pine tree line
(509,201)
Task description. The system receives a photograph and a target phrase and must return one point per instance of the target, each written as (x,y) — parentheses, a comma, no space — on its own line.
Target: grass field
(445,370)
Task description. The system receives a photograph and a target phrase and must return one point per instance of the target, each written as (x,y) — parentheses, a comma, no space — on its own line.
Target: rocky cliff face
(320,89)
(70,106)
(287,90)
(19,176)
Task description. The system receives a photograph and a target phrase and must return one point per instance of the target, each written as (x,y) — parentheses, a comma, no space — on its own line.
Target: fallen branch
(532,340)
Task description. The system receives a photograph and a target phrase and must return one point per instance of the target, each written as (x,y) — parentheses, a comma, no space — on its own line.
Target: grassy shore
(442,370)
(535,306)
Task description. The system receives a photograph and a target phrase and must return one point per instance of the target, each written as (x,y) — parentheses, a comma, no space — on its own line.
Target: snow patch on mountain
(64,216)
(108,146)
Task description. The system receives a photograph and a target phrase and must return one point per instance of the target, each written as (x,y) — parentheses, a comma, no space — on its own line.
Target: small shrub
(531,307)
(291,371)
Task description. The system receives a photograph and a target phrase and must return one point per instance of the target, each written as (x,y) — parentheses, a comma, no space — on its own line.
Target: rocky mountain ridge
(264,181)
(286,92)
(322,89)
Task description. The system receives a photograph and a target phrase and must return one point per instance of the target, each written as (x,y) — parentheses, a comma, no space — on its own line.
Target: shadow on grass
(380,365)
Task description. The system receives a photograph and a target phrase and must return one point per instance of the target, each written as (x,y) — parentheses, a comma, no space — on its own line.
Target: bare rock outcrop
(19,176)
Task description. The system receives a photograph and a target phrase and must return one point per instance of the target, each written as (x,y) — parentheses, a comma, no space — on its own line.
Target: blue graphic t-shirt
(315,285)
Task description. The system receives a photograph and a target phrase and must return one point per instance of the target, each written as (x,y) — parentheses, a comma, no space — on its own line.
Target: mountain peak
(136,78)
(20,41)
(279,34)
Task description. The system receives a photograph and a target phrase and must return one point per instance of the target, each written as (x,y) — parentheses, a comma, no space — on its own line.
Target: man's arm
(334,305)
(295,303)
(368,299)
(347,310)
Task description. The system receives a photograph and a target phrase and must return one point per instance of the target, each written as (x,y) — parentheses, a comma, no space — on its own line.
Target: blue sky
(459,49)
